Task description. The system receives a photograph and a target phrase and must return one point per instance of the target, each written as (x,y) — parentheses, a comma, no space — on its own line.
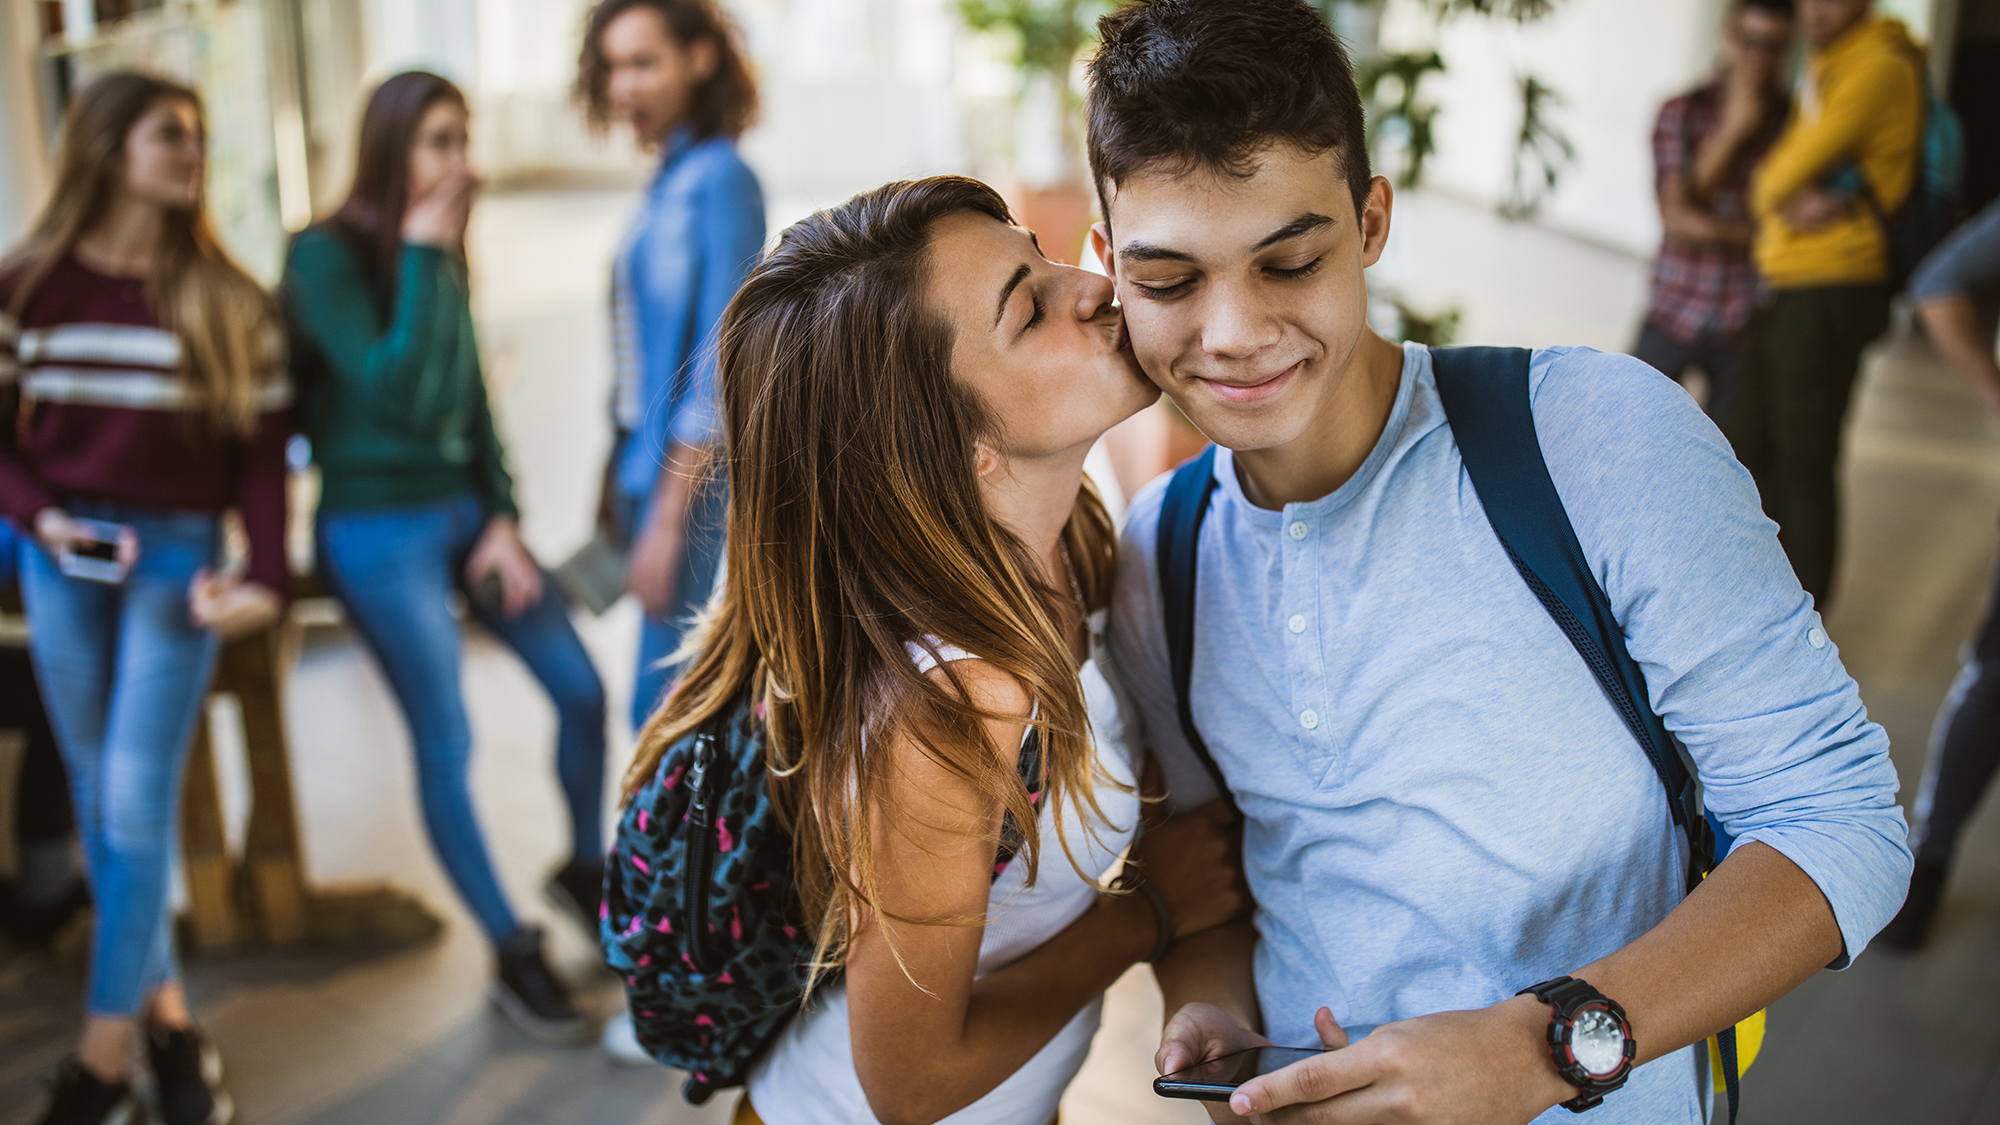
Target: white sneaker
(621,1044)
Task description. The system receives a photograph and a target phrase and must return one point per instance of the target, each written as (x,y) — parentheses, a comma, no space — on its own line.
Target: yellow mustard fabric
(1861,101)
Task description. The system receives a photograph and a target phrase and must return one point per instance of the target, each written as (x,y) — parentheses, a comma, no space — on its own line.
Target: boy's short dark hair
(1782,8)
(1188,85)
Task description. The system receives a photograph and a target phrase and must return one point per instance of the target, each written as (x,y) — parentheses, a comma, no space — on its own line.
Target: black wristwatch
(1590,1040)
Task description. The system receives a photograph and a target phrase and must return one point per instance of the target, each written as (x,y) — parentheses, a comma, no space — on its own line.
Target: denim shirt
(694,241)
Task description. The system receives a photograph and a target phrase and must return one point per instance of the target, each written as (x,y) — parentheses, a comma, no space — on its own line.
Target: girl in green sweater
(416,502)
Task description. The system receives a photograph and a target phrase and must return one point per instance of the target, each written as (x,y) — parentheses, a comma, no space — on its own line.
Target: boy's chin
(1242,430)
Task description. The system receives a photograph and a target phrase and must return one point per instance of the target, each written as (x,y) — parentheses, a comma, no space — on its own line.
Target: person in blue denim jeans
(143,401)
(674,70)
(416,505)
(1956,291)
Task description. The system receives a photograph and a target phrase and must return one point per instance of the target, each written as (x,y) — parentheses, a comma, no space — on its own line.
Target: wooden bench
(263,898)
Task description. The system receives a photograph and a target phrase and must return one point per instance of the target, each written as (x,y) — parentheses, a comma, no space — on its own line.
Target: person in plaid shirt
(1705,146)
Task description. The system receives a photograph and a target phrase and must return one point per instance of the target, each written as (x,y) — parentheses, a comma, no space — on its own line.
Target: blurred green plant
(1519,11)
(1391,84)
(1434,330)
(1047,36)
(1390,87)
(1538,143)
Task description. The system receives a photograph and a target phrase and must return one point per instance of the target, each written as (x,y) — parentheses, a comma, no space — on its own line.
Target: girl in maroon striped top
(140,367)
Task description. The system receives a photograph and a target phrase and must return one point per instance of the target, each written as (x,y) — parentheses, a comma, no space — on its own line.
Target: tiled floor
(406,1037)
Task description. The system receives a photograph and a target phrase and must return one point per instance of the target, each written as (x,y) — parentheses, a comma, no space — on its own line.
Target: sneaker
(187,1078)
(578,888)
(1907,930)
(79,1097)
(34,923)
(620,1043)
(532,996)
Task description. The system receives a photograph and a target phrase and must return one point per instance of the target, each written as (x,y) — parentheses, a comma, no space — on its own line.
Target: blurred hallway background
(857,92)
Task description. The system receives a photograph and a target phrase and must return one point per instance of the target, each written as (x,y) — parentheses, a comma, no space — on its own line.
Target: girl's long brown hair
(856,525)
(371,217)
(226,322)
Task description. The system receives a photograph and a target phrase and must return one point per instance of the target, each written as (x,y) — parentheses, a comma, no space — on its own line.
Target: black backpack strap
(1182,511)
(1486,402)
(1485,395)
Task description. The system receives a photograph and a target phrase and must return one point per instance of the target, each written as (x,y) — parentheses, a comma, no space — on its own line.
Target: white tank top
(808,1077)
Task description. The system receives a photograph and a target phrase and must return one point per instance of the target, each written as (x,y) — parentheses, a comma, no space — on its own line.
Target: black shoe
(578,887)
(187,1078)
(82,1098)
(1907,930)
(35,924)
(531,995)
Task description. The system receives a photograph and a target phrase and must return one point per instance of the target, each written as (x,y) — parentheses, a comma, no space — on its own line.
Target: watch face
(1597,1040)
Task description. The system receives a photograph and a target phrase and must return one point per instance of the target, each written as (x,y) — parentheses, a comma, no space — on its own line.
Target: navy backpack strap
(1485,395)
(1182,511)
(1486,402)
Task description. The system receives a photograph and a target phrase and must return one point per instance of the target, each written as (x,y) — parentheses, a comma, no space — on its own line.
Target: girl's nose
(1095,295)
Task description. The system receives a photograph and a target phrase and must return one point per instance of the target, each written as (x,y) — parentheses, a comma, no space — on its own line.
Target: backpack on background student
(1486,403)
(1931,209)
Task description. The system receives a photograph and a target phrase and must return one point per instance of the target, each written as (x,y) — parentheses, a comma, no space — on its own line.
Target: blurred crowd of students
(1790,223)
(154,387)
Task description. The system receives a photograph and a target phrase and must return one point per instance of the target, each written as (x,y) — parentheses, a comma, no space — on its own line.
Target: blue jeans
(395,569)
(659,637)
(124,673)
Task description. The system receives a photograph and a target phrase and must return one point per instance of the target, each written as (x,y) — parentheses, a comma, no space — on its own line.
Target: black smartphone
(1216,1079)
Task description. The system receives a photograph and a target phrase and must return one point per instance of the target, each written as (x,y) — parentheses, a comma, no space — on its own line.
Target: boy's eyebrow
(1006,291)
(1307,223)
(1147,252)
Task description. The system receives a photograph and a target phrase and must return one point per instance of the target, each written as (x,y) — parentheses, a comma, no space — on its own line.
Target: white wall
(1613,62)
(23,144)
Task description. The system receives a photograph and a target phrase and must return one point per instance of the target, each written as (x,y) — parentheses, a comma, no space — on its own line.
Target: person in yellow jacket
(1822,201)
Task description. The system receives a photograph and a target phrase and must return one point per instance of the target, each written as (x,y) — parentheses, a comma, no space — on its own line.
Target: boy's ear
(1375,213)
(1100,244)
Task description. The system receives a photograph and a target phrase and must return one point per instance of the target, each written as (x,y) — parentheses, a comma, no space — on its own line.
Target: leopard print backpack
(701,914)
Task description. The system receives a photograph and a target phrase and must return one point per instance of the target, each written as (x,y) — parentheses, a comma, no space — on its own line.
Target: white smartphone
(94,556)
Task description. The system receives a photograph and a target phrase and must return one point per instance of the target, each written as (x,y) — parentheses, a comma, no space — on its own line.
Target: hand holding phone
(93,550)
(1216,1079)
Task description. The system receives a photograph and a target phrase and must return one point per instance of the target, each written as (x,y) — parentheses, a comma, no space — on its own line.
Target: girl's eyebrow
(1007,291)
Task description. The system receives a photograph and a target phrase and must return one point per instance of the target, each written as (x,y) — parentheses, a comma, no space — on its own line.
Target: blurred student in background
(1706,144)
(416,503)
(145,395)
(1825,256)
(676,71)
(1957,294)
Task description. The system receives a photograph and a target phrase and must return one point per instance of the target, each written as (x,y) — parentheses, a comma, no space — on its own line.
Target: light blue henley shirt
(1442,807)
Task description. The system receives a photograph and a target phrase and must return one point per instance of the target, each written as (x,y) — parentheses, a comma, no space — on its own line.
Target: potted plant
(1051,194)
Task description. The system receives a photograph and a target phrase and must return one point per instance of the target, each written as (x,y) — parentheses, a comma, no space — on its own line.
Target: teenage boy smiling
(1441,808)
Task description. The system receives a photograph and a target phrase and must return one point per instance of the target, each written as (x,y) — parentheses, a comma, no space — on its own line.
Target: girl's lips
(1242,393)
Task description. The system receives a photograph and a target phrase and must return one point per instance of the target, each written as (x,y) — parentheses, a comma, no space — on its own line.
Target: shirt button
(1297,624)
(1297,530)
(1816,637)
(1309,719)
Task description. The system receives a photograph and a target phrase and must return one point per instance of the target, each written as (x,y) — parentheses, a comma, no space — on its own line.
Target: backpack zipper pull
(704,754)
